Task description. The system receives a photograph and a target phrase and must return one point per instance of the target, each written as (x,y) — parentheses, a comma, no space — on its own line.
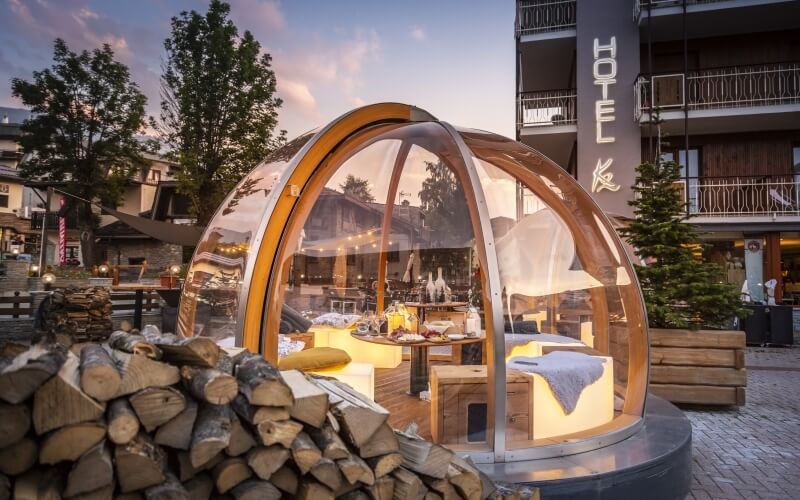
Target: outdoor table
(138,290)
(418,380)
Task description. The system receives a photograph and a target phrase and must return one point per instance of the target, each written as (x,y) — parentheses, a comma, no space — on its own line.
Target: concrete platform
(655,463)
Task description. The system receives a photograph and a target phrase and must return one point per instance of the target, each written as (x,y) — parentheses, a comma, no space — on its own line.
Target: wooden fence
(122,302)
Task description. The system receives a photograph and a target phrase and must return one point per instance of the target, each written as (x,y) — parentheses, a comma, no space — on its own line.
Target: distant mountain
(15,115)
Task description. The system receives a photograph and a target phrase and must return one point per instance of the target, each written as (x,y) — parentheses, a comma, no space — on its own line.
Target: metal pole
(43,240)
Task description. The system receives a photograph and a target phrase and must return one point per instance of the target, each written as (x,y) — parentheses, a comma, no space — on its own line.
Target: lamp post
(47,280)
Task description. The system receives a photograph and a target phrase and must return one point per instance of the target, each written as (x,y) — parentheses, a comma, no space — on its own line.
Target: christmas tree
(680,290)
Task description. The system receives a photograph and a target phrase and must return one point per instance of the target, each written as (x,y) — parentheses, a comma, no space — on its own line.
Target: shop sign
(604,71)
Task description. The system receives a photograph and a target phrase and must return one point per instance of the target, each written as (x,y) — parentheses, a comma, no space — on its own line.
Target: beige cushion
(316,358)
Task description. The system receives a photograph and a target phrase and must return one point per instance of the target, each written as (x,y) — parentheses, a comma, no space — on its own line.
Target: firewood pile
(156,416)
(79,314)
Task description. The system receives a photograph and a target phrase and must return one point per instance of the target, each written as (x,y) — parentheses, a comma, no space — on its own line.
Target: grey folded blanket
(567,373)
(556,339)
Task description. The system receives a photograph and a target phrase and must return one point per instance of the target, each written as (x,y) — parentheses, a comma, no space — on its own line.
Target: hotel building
(724,78)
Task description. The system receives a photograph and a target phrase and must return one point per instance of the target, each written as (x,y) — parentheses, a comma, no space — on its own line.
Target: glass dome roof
(387,205)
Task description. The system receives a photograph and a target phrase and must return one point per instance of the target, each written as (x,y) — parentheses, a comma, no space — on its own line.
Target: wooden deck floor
(391,387)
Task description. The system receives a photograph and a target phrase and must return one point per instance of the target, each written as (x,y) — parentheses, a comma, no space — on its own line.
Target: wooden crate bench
(699,367)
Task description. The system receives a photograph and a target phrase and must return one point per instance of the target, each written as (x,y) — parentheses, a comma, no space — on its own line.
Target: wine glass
(380,320)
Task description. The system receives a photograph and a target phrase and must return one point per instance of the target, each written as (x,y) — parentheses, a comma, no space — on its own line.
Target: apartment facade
(716,83)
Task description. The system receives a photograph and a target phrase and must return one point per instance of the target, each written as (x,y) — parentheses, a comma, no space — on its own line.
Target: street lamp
(103,270)
(175,269)
(48,279)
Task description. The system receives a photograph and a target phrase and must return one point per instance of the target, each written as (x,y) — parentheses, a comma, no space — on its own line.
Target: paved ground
(752,452)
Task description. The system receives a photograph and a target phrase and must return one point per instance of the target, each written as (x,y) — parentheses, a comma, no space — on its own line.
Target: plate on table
(456,336)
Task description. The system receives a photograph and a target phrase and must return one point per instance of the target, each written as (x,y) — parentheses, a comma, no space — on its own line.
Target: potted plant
(693,358)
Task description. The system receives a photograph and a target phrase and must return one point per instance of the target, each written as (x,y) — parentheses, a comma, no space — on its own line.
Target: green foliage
(680,290)
(218,110)
(445,207)
(87,113)
(357,187)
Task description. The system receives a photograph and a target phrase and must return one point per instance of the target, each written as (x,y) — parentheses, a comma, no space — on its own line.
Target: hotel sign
(604,71)
(609,140)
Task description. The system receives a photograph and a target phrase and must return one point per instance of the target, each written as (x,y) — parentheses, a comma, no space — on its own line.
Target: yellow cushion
(315,358)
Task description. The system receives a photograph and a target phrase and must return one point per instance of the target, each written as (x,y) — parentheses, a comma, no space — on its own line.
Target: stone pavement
(752,452)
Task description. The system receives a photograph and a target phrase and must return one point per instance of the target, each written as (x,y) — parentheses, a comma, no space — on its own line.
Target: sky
(453,58)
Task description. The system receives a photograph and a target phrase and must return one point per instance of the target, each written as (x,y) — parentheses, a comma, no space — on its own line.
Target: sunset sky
(452,58)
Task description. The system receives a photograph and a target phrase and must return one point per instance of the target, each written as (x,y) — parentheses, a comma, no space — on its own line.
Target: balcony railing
(52,220)
(730,87)
(742,196)
(640,6)
(547,107)
(543,16)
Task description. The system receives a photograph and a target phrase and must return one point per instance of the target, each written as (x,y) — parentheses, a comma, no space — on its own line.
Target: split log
(359,417)
(265,460)
(70,442)
(407,485)
(229,473)
(254,489)
(382,442)
(19,457)
(356,469)
(170,489)
(103,493)
(157,405)
(261,383)
(257,414)
(133,495)
(140,464)
(308,489)
(305,453)
(385,464)
(133,344)
(192,351)
(285,479)
(37,484)
(327,472)
(441,487)
(211,434)
(5,488)
(383,489)
(99,375)
(465,479)
(122,422)
(282,432)
(29,370)
(91,472)
(423,456)
(177,433)
(209,384)
(354,495)
(15,420)
(60,401)
(199,487)
(329,442)
(141,372)
(241,439)
(187,471)
(310,401)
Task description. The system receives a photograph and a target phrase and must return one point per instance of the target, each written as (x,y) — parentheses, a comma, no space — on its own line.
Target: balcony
(721,96)
(751,196)
(547,108)
(535,17)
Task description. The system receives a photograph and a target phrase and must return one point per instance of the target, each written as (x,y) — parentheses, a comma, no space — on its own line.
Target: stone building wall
(159,255)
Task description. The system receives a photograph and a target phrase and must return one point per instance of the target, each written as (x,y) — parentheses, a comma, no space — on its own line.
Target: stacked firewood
(79,314)
(158,416)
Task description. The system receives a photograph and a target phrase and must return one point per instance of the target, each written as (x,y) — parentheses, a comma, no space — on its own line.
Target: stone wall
(16,277)
(159,255)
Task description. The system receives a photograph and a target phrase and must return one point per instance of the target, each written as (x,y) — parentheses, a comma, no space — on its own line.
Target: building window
(691,180)
(4,188)
(155,176)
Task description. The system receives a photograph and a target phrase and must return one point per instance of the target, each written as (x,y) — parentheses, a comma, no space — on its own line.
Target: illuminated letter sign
(604,71)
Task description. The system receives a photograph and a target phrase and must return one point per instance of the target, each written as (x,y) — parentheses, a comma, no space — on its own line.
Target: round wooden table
(418,380)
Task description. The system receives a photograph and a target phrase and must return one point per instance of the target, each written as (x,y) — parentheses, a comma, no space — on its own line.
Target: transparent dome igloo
(390,208)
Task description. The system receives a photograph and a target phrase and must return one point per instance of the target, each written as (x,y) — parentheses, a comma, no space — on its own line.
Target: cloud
(256,15)
(417,33)
(297,93)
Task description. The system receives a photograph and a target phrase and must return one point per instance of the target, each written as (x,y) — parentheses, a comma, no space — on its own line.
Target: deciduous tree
(86,115)
(218,109)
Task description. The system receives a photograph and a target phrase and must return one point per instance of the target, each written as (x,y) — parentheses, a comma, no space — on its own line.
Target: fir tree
(680,290)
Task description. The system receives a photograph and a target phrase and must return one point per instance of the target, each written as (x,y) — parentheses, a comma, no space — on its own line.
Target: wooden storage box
(459,405)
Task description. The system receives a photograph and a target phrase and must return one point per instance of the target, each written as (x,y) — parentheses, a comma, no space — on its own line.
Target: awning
(177,234)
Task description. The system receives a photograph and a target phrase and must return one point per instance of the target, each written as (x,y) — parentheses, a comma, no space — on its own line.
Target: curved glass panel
(210,296)
(382,264)
(572,312)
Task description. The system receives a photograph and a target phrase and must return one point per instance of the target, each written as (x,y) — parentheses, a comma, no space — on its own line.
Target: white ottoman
(360,376)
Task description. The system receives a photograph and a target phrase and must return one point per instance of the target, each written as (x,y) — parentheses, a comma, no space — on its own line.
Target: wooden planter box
(700,367)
